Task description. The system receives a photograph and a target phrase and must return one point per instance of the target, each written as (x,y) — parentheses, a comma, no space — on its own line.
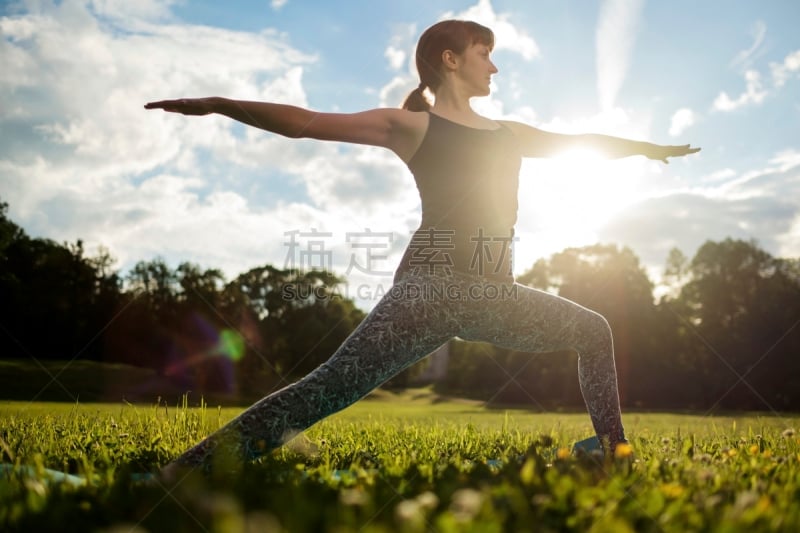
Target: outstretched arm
(391,128)
(540,143)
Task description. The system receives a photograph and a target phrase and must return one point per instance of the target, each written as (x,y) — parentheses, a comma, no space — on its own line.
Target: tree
(612,282)
(675,271)
(501,376)
(604,278)
(54,301)
(294,320)
(199,288)
(743,306)
(155,285)
(147,317)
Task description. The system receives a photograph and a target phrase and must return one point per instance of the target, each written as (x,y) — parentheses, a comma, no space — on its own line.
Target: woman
(455,278)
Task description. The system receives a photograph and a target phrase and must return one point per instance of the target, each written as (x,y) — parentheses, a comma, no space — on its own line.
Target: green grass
(404,463)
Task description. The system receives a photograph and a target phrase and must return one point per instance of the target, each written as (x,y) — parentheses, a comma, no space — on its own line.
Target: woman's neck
(450,101)
(458,110)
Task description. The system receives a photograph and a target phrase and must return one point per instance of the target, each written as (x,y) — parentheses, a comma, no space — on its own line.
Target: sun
(568,199)
(597,186)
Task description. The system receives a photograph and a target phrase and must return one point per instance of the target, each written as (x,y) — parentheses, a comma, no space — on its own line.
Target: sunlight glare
(566,200)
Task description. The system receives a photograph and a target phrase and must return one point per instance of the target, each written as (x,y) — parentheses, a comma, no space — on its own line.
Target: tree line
(241,337)
(726,335)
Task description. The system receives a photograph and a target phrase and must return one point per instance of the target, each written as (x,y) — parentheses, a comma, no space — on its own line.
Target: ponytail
(416,100)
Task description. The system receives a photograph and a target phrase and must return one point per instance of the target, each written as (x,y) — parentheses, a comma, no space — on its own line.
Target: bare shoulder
(520,129)
(407,131)
(409,121)
(397,122)
(390,128)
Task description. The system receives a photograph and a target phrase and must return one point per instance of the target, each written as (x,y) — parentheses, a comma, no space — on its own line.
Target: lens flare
(230,344)
(203,356)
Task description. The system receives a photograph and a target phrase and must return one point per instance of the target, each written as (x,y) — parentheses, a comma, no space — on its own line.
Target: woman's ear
(450,60)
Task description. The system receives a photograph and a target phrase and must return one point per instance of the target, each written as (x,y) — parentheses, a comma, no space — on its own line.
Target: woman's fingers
(162,104)
(186,106)
(674,151)
(687,149)
(693,150)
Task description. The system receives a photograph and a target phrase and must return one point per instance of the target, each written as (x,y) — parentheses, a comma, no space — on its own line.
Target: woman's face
(476,69)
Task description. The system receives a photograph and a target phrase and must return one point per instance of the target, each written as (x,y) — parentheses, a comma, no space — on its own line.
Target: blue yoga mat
(587,445)
(7,471)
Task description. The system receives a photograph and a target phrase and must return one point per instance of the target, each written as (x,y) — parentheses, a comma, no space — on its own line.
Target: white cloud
(277,4)
(781,72)
(745,57)
(681,120)
(718,176)
(96,78)
(286,88)
(395,91)
(507,35)
(763,204)
(755,91)
(396,57)
(82,163)
(400,52)
(790,241)
(91,163)
(753,94)
(617,27)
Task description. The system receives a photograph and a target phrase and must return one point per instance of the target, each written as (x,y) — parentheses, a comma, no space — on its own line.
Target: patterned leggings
(417,315)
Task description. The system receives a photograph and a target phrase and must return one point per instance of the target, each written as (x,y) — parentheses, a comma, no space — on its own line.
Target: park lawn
(404,462)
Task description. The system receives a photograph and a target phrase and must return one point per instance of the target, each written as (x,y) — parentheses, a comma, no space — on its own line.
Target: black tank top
(467,180)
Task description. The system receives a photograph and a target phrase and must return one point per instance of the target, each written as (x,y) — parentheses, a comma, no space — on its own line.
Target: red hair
(455,35)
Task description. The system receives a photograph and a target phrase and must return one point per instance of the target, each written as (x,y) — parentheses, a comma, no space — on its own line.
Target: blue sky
(80,158)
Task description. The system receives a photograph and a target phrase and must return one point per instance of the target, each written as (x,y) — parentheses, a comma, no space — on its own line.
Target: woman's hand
(185,106)
(661,153)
